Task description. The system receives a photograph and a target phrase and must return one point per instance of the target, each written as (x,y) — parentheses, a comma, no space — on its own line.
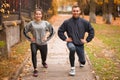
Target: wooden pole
(19,9)
(0,13)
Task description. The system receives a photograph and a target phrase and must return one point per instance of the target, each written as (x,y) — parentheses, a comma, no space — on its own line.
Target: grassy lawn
(10,65)
(104,51)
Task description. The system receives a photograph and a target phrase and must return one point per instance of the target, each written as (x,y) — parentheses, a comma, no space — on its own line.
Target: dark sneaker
(35,73)
(45,65)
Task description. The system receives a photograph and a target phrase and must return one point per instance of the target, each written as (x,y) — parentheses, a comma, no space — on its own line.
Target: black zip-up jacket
(76,28)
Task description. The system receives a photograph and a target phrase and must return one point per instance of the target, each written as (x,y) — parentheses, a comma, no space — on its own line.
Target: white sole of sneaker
(72,74)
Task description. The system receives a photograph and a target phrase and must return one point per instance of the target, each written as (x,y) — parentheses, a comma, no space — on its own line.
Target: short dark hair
(75,6)
(38,9)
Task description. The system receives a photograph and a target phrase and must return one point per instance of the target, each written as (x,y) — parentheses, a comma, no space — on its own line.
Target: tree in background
(116,2)
(108,10)
(92,15)
(105,9)
(115,11)
(54,7)
(82,4)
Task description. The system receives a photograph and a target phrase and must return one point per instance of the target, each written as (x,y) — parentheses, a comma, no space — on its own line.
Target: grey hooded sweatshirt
(39,31)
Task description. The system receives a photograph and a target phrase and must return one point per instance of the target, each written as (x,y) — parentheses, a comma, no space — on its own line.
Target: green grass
(2,44)
(108,39)
(110,35)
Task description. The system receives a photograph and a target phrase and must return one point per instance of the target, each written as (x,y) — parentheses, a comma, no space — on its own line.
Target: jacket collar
(75,18)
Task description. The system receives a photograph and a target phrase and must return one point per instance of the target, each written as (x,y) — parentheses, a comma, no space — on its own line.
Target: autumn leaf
(14,23)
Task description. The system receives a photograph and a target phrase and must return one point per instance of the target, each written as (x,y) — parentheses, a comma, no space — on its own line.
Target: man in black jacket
(76,27)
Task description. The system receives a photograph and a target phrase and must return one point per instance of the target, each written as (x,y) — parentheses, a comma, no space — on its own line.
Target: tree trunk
(110,9)
(82,14)
(115,11)
(82,4)
(109,18)
(107,11)
(92,11)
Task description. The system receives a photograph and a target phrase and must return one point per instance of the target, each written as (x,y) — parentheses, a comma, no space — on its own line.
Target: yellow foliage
(8,12)
(117,1)
(100,2)
(106,1)
(7,5)
(2,10)
(54,6)
(14,23)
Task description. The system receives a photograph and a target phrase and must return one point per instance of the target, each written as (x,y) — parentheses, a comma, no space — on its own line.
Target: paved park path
(58,61)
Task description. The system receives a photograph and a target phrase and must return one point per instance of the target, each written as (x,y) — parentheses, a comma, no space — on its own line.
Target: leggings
(80,52)
(43,51)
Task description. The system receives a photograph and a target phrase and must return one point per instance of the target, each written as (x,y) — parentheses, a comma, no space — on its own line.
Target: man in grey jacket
(76,28)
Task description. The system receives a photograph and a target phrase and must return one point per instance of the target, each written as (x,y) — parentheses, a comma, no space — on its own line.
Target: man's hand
(83,41)
(68,40)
